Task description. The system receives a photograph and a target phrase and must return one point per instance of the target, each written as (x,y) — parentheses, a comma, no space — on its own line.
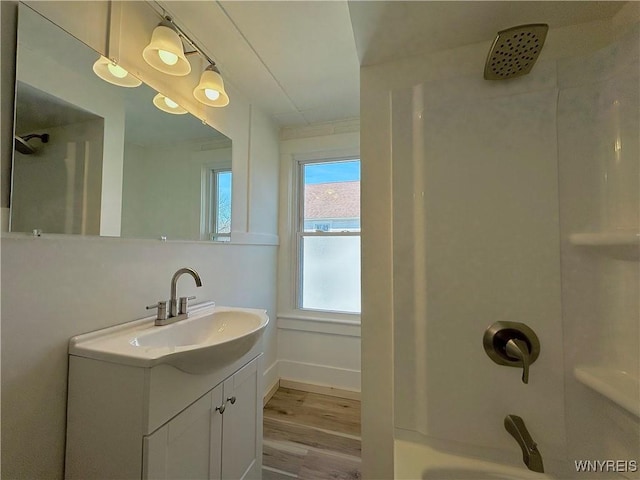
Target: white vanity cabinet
(161,423)
(189,445)
(214,438)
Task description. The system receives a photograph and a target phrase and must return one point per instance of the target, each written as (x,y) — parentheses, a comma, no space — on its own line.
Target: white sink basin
(211,336)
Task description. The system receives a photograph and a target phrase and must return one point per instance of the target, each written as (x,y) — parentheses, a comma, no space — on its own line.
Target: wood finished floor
(311,437)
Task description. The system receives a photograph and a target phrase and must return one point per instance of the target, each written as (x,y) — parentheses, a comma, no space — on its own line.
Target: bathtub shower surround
(599,188)
(481,224)
(517,201)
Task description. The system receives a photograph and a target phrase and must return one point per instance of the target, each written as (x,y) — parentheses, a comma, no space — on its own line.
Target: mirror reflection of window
(220,202)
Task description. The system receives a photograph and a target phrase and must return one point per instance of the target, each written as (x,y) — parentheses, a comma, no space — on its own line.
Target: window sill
(317,316)
(327,323)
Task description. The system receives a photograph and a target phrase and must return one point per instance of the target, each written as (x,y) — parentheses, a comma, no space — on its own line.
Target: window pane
(331,273)
(332,196)
(223,202)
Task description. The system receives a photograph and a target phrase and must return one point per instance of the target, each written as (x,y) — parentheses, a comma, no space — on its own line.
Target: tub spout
(530,454)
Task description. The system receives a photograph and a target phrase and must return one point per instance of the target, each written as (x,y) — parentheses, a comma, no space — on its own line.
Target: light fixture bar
(210,90)
(186,37)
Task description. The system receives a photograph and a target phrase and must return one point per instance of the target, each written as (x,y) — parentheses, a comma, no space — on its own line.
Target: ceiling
(387,31)
(299,61)
(295,60)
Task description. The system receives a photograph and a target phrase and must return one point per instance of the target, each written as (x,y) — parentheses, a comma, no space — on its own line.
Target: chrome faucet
(173,302)
(175,313)
(530,454)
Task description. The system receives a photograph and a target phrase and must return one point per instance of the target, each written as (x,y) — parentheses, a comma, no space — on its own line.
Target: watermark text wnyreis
(617,466)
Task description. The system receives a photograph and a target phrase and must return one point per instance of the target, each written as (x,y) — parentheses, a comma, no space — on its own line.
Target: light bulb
(211,94)
(168,57)
(170,103)
(117,70)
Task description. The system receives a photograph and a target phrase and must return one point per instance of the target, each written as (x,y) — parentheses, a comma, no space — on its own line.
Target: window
(328,236)
(220,205)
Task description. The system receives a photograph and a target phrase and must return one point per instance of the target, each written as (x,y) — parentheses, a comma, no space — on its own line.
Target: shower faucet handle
(512,344)
(519,350)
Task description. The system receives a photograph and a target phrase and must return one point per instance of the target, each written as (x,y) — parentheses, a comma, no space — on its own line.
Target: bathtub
(421,460)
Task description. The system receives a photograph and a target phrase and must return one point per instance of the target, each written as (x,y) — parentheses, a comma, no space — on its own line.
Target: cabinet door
(242,426)
(188,446)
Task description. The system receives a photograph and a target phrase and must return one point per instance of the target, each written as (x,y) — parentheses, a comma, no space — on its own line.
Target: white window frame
(299,234)
(210,204)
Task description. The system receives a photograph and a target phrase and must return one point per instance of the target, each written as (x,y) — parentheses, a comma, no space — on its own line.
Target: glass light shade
(167,105)
(211,84)
(117,70)
(114,74)
(168,57)
(170,103)
(164,48)
(211,94)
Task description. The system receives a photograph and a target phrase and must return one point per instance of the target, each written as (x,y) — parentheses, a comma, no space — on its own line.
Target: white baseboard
(337,382)
(321,375)
(270,381)
(270,393)
(323,389)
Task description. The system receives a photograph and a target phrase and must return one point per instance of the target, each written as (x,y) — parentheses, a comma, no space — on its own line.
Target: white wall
(54,287)
(313,347)
(471,258)
(263,174)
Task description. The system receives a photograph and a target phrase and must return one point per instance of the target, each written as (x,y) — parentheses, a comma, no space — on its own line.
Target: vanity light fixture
(167,105)
(210,90)
(165,51)
(111,72)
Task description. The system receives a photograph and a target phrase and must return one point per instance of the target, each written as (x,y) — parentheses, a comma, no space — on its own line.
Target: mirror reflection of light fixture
(111,72)
(167,105)
(210,90)
(165,51)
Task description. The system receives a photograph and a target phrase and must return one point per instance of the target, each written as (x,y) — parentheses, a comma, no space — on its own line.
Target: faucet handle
(518,349)
(184,304)
(162,309)
(512,344)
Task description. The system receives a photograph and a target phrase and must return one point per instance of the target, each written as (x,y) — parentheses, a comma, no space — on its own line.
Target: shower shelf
(623,245)
(605,239)
(616,385)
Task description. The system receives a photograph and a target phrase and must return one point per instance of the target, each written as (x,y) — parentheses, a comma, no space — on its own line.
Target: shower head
(21,143)
(514,51)
(23,147)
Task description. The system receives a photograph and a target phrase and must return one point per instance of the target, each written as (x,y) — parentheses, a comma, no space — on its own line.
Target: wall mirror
(92,158)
